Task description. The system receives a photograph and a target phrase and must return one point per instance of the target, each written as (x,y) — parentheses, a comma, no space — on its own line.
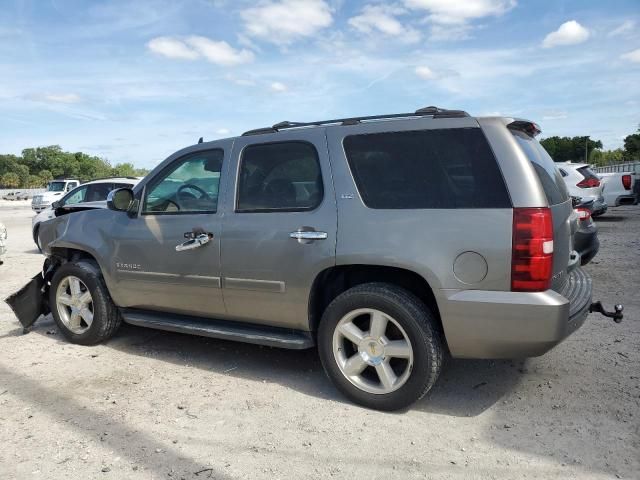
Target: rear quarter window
(550,176)
(422,169)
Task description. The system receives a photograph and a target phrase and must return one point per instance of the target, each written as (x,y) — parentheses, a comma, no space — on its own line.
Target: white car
(582,182)
(3,239)
(92,193)
(618,188)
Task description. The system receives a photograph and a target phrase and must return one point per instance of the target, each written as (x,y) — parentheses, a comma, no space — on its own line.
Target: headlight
(3,232)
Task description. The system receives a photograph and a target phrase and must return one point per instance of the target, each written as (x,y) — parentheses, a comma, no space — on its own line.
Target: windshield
(56,186)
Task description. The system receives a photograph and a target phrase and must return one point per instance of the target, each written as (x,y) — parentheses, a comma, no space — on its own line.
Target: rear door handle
(309,235)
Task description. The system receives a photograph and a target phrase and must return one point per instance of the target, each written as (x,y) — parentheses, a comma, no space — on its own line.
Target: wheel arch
(335,280)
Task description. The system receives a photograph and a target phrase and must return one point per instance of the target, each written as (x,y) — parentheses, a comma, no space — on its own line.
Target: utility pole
(586,149)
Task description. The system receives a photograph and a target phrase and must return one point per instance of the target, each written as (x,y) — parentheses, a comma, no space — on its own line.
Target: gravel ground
(151,405)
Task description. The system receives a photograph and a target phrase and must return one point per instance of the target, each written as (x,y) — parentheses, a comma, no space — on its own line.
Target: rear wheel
(379,345)
(81,304)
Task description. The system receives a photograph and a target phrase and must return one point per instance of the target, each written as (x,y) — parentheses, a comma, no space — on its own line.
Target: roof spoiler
(530,128)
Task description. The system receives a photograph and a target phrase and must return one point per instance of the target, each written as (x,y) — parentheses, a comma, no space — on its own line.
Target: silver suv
(387,241)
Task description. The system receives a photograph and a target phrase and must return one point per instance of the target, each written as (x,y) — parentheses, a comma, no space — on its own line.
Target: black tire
(420,327)
(106,317)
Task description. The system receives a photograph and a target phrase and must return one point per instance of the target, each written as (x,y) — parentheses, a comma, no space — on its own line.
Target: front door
(280,227)
(167,257)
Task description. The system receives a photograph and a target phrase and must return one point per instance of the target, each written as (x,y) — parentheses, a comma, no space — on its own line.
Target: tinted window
(279,176)
(449,168)
(97,192)
(189,185)
(550,177)
(587,173)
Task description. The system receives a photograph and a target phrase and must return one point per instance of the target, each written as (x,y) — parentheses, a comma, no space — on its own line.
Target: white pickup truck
(55,190)
(618,188)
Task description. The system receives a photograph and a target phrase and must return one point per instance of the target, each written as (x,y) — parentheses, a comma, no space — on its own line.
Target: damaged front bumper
(32,300)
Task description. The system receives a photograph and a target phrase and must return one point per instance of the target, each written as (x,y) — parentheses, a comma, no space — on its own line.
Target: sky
(135,80)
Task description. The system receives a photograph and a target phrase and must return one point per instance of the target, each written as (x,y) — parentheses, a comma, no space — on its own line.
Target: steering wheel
(182,195)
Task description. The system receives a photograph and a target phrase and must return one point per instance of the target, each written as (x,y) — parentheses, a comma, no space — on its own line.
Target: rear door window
(550,177)
(445,168)
(283,176)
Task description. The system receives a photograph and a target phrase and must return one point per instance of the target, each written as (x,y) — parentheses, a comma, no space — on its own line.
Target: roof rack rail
(434,112)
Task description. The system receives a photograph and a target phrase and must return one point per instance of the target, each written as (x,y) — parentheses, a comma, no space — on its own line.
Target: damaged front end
(32,300)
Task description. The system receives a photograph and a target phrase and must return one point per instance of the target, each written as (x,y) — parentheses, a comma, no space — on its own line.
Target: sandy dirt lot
(151,405)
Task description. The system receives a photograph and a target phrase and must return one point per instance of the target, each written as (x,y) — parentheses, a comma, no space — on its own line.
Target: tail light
(626,182)
(583,213)
(589,183)
(532,250)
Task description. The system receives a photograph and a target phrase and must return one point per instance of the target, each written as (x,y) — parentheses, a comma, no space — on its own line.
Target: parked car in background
(24,196)
(11,196)
(3,240)
(583,183)
(618,188)
(364,236)
(585,240)
(90,194)
(55,190)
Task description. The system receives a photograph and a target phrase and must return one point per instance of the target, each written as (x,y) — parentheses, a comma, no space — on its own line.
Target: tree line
(36,167)
(584,149)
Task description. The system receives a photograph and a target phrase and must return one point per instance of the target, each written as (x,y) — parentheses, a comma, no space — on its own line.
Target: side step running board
(226,330)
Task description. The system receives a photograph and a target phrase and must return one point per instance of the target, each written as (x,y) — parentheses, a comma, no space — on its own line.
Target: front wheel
(81,304)
(380,346)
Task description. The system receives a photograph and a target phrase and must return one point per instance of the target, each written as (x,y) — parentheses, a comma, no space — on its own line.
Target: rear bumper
(587,244)
(488,324)
(630,199)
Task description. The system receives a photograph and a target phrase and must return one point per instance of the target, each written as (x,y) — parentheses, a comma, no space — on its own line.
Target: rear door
(559,202)
(280,230)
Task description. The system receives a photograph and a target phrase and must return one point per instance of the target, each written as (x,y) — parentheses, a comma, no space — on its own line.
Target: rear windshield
(445,168)
(549,175)
(587,173)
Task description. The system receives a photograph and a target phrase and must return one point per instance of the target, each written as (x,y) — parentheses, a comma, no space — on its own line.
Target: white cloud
(554,115)
(382,19)
(425,73)
(626,27)
(278,87)
(223,131)
(633,56)
(194,47)
(62,98)
(220,53)
(55,97)
(172,48)
(452,12)
(569,33)
(284,21)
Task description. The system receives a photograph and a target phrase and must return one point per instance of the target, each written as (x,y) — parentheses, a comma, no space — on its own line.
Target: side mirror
(55,205)
(120,200)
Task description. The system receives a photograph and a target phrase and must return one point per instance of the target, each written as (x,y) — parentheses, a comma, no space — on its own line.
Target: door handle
(309,235)
(195,242)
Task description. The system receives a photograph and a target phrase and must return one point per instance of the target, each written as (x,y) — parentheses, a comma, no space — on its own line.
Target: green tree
(45,177)
(124,170)
(569,149)
(632,146)
(10,180)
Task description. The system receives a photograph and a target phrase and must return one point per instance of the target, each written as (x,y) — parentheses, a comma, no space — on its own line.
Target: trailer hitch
(616,315)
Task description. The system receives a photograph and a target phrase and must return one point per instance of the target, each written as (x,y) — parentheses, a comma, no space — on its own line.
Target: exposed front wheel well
(333,281)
